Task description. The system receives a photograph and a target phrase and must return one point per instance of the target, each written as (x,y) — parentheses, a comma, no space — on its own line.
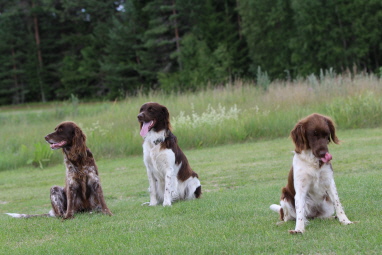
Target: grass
(234,113)
(240,181)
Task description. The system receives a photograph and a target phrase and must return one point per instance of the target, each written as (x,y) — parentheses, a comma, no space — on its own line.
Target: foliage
(108,50)
(268,28)
(42,155)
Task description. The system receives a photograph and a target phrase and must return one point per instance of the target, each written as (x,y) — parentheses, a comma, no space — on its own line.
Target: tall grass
(233,113)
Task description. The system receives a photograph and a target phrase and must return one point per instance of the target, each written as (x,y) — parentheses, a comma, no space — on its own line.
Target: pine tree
(12,87)
(268,28)
(122,64)
(85,27)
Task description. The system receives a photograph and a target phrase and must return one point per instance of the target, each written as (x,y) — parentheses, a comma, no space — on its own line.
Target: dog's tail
(18,215)
(275,208)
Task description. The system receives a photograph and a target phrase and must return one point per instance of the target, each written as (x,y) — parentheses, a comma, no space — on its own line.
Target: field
(236,139)
(240,181)
(235,113)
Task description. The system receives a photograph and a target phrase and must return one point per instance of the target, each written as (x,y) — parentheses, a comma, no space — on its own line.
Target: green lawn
(240,182)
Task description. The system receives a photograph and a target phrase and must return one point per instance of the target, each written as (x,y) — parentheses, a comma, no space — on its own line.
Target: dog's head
(68,135)
(315,132)
(153,116)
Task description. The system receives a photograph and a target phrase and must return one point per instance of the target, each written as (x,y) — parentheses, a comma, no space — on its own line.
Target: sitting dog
(170,175)
(82,191)
(311,191)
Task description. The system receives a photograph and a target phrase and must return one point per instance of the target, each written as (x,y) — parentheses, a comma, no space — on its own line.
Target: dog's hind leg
(58,200)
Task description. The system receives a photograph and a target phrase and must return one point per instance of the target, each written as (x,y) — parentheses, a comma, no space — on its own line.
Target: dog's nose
(140,116)
(322,153)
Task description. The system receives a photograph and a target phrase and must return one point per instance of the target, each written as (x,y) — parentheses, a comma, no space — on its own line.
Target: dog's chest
(75,175)
(309,174)
(157,159)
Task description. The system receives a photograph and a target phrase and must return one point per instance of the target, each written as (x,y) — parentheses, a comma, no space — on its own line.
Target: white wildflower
(211,117)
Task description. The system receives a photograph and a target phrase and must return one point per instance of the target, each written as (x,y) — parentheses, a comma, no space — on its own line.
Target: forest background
(106,50)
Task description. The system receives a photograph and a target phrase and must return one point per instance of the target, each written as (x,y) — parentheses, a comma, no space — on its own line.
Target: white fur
(312,185)
(16,215)
(162,172)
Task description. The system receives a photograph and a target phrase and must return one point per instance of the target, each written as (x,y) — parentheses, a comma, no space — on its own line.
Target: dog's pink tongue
(145,128)
(327,158)
(57,145)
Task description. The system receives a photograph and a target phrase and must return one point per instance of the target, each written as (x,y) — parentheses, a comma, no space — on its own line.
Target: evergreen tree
(85,25)
(122,64)
(12,43)
(159,40)
(213,49)
(268,28)
(336,34)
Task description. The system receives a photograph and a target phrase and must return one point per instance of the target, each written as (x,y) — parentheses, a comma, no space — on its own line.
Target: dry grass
(243,112)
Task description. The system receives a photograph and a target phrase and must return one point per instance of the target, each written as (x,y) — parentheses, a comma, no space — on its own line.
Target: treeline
(52,49)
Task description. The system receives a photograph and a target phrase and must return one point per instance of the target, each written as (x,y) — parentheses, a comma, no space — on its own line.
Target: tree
(121,64)
(268,28)
(12,87)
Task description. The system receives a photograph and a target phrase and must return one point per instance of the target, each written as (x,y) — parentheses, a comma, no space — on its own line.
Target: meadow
(228,114)
(240,182)
(236,139)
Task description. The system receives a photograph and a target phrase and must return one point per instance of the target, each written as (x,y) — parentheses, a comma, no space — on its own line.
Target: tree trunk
(16,95)
(177,39)
(39,55)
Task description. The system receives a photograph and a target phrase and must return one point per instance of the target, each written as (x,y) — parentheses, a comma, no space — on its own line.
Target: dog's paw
(348,222)
(166,203)
(107,212)
(68,217)
(296,231)
(279,223)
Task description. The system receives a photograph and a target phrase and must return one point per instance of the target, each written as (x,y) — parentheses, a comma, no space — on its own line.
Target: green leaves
(41,156)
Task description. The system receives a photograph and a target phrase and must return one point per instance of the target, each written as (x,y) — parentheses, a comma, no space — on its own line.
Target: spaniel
(170,175)
(82,191)
(311,191)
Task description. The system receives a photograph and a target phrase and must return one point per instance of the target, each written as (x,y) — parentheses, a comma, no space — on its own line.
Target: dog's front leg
(97,189)
(71,197)
(337,204)
(168,188)
(301,191)
(152,188)
(105,209)
(164,166)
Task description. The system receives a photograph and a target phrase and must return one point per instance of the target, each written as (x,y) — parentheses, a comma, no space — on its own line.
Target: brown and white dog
(82,191)
(311,191)
(170,175)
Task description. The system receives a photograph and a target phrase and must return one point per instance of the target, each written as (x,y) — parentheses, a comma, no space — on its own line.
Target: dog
(170,175)
(311,191)
(82,191)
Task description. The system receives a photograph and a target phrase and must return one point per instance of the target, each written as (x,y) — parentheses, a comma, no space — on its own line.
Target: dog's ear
(166,117)
(332,129)
(78,150)
(299,137)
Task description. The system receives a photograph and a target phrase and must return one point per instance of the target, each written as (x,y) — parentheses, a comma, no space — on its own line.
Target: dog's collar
(162,139)
(158,141)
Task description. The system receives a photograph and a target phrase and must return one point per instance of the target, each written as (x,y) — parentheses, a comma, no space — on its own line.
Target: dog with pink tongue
(311,191)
